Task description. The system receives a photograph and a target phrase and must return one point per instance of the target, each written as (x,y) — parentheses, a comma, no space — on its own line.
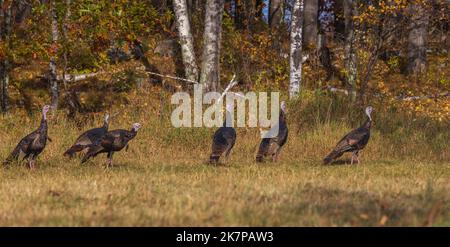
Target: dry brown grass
(163,180)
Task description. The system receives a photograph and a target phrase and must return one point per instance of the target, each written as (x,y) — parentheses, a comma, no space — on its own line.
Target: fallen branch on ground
(335,89)
(75,78)
(434,96)
(172,77)
(401,97)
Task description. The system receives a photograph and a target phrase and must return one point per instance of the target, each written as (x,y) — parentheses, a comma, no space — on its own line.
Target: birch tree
(349,49)
(295,58)
(186,40)
(417,38)
(5,33)
(66,40)
(52,66)
(209,76)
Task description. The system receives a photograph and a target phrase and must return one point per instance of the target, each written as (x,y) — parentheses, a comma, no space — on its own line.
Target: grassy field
(163,180)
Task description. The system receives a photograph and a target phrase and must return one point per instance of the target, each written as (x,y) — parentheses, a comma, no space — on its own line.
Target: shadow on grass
(358,208)
(342,162)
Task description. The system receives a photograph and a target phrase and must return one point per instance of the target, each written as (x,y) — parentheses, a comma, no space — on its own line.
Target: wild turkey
(223,139)
(272,146)
(112,141)
(354,141)
(32,144)
(88,138)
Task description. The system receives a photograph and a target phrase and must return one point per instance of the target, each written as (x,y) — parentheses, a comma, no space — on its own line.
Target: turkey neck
(367,124)
(132,132)
(43,127)
(227,116)
(105,125)
(282,117)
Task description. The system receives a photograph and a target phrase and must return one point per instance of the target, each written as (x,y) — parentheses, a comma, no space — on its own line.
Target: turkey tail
(333,155)
(13,156)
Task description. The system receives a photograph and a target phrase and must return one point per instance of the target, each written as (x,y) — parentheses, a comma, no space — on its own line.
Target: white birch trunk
(75,78)
(52,66)
(349,49)
(66,39)
(186,40)
(295,59)
(211,45)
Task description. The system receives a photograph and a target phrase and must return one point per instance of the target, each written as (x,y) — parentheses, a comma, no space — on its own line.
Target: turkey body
(355,141)
(31,145)
(223,141)
(112,141)
(272,146)
(87,139)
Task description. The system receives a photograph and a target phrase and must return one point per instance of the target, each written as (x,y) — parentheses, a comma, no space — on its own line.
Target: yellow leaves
(383,88)
(373,13)
(437,109)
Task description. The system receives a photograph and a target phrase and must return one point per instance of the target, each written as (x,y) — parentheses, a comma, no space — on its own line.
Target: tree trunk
(52,66)
(70,95)
(66,39)
(372,61)
(275,12)
(295,62)
(310,24)
(349,49)
(5,33)
(417,39)
(211,45)
(324,54)
(238,14)
(22,9)
(248,15)
(186,40)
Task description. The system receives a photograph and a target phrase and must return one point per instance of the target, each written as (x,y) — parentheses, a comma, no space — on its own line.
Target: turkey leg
(109,163)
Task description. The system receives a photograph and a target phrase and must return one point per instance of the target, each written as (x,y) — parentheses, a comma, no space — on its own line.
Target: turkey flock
(102,140)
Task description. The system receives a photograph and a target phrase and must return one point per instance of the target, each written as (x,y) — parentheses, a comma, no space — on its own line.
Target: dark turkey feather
(223,141)
(111,142)
(88,138)
(354,141)
(272,146)
(32,144)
